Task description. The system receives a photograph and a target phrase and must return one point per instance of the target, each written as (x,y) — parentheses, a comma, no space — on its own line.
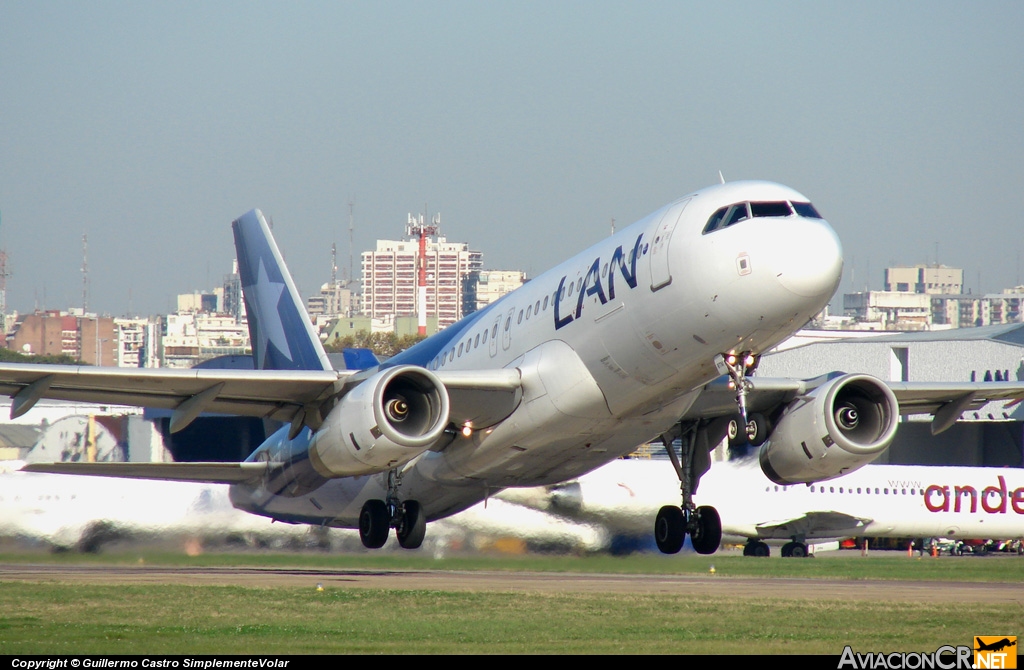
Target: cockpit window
(807,210)
(770,209)
(727,216)
(716,220)
(737,213)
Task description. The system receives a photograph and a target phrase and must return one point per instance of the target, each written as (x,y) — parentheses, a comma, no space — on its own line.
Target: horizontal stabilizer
(213,473)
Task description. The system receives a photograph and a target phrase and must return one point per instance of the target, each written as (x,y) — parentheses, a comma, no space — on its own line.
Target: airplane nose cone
(810,262)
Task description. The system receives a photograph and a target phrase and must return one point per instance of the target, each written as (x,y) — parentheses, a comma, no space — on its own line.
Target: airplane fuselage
(610,345)
(874,501)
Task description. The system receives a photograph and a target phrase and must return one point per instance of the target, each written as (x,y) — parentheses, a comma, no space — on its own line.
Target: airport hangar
(993,435)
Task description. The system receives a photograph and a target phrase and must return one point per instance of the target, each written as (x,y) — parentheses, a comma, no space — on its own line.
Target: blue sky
(529,126)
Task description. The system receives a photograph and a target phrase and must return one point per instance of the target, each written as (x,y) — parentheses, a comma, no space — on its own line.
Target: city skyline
(529,126)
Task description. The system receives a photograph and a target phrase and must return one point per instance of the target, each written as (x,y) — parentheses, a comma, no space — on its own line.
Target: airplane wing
(480,398)
(946,401)
(273,394)
(812,524)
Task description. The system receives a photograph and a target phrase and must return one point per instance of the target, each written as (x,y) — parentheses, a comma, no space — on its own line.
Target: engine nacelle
(385,421)
(833,430)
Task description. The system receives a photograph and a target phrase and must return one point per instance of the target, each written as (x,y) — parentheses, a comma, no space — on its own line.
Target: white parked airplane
(915,501)
(618,345)
(87,512)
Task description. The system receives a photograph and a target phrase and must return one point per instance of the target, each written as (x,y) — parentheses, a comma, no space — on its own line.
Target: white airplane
(650,332)
(915,501)
(87,512)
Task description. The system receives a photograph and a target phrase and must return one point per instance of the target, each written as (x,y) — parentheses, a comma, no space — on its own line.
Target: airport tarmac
(717,586)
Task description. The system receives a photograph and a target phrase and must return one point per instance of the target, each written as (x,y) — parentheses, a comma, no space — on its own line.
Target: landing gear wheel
(413,526)
(799,550)
(374,524)
(670,529)
(733,432)
(706,531)
(757,429)
(756,548)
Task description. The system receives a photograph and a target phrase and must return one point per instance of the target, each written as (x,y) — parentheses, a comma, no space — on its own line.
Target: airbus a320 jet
(651,332)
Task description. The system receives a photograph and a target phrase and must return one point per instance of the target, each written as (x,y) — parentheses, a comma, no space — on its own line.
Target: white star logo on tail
(263,298)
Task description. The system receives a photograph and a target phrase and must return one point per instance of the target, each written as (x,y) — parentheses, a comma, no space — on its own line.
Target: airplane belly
(338,502)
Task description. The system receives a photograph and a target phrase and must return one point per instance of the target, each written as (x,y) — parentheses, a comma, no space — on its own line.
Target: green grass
(50,618)
(68,619)
(836,565)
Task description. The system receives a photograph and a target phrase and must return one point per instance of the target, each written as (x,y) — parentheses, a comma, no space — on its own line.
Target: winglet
(280,329)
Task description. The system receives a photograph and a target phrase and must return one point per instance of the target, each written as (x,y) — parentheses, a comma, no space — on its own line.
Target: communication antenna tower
(418,228)
(351,245)
(334,264)
(4,274)
(85,273)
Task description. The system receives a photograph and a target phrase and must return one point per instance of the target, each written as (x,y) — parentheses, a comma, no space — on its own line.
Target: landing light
(467,429)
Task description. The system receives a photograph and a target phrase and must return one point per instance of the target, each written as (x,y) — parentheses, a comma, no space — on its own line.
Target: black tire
(708,531)
(757,429)
(670,529)
(787,549)
(413,527)
(733,433)
(761,550)
(374,524)
(799,550)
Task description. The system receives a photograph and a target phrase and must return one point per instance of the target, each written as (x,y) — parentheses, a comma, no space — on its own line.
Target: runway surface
(718,586)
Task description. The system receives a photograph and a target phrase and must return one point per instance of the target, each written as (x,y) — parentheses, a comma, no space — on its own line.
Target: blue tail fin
(280,330)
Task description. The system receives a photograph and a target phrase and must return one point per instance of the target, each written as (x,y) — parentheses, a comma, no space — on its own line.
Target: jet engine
(385,421)
(833,430)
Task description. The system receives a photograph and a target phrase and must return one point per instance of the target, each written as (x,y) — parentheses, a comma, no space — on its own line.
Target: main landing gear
(794,549)
(378,517)
(697,438)
(702,523)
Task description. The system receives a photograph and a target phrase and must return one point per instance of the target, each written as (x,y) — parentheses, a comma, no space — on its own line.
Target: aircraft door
(661,273)
(494,335)
(506,330)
